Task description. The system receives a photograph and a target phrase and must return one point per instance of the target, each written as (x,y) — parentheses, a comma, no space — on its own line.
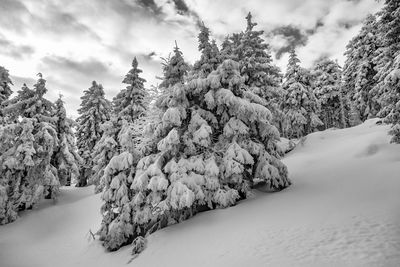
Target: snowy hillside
(343,209)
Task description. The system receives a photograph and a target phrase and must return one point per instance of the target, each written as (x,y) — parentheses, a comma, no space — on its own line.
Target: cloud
(291,38)
(150,5)
(12,9)
(85,67)
(75,43)
(15,50)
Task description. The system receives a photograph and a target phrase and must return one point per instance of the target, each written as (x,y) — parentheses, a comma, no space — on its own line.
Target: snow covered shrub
(212,145)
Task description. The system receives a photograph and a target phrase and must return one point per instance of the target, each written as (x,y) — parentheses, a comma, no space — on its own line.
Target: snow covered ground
(343,209)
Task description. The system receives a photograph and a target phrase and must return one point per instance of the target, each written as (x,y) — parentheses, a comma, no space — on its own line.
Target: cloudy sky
(75,42)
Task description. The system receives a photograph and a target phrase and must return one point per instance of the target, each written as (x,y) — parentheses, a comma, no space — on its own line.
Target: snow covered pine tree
(66,158)
(94,111)
(26,172)
(328,90)
(213,145)
(128,107)
(299,103)
(5,90)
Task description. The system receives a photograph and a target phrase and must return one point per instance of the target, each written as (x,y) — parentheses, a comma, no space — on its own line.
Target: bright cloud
(73,43)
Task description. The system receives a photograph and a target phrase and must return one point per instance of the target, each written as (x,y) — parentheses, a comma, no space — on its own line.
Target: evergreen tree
(116,227)
(261,77)
(94,111)
(31,103)
(210,151)
(129,102)
(66,158)
(389,29)
(128,106)
(27,145)
(255,60)
(327,89)
(299,103)
(210,54)
(5,90)
(360,69)
(174,69)
(104,150)
(392,83)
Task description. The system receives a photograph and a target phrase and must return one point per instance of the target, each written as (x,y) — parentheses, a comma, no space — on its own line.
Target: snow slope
(342,210)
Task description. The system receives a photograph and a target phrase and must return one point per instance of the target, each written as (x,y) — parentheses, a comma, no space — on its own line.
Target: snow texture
(342,210)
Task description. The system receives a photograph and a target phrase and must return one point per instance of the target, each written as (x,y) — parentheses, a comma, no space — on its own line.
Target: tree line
(200,140)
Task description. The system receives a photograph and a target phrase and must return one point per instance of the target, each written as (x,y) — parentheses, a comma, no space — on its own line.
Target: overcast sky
(77,41)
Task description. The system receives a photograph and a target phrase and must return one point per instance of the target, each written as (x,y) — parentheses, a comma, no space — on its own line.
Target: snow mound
(342,210)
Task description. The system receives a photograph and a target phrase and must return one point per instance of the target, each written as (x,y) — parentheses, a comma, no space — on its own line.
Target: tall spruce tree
(5,90)
(210,54)
(129,102)
(262,77)
(212,144)
(360,69)
(94,111)
(174,69)
(117,228)
(327,89)
(65,158)
(299,103)
(389,29)
(392,83)
(128,106)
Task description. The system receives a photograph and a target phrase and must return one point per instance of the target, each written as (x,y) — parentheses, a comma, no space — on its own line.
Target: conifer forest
(199,133)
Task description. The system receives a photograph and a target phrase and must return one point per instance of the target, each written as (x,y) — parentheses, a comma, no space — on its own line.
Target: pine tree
(104,150)
(94,111)
(389,30)
(392,83)
(31,103)
(299,104)
(210,54)
(174,69)
(262,78)
(255,60)
(116,227)
(27,145)
(327,89)
(5,90)
(66,158)
(128,106)
(213,145)
(129,102)
(360,69)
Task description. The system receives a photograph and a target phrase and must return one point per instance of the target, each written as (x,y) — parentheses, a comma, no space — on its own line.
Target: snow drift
(343,209)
